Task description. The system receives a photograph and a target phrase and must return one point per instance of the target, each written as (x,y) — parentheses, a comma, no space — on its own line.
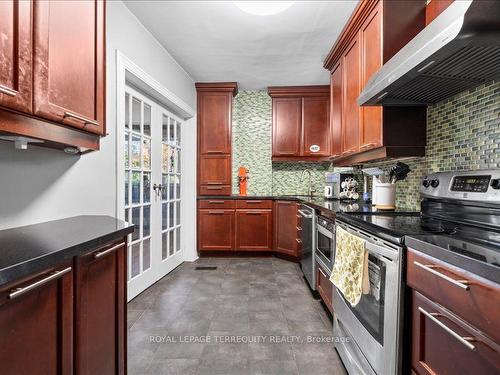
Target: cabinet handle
(430,268)
(321,271)
(214,183)
(53,275)
(299,228)
(253,202)
(216,212)
(216,202)
(108,251)
(214,187)
(81,118)
(7,91)
(254,213)
(368,145)
(463,340)
(299,241)
(287,153)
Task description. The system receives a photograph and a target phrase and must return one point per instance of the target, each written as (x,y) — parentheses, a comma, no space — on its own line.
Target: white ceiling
(216,41)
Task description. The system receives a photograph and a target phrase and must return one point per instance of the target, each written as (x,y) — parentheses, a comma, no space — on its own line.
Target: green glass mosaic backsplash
(463,132)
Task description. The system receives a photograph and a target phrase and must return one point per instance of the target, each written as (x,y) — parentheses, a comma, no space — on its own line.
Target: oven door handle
(380,250)
(324,232)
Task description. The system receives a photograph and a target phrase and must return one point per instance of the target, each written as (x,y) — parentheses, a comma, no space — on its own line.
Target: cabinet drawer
(473,298)
(442,343)
(215,190)
(325,287)
(216,203)
(254,203)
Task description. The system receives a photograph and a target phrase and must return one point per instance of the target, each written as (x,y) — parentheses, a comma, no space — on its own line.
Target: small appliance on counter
(340,185)
(375,173)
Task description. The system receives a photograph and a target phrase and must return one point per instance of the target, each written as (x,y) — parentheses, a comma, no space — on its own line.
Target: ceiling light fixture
(263,8)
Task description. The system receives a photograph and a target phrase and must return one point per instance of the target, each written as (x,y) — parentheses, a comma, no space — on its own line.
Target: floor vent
(205,268)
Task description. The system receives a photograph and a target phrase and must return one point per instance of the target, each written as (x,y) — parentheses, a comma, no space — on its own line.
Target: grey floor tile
(265,303)
(178,349)
(288,367)
(320,367)
(132,316)
(176,366)
(268,350)
(228,366)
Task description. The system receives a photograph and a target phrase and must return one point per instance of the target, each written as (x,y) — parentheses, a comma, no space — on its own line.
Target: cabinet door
(316,126)
(444,344)
(287,122)
(324,287)
(336,110)
(254,230)
(214,122)
(216,229)
(286,228)
(215,170)
(371,43)
(15,52)
(36,326)
(351,90)
(100,311)
(69,63)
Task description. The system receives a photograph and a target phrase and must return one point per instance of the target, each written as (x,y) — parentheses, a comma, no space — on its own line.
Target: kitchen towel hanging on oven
(350,269)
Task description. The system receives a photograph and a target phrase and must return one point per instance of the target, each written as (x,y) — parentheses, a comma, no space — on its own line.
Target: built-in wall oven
(325,242)
(370,332)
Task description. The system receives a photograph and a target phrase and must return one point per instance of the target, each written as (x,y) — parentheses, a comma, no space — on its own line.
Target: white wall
(41,184)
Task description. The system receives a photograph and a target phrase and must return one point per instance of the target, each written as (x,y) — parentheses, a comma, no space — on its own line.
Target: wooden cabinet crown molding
(285,91)
(217,86)
(351,28)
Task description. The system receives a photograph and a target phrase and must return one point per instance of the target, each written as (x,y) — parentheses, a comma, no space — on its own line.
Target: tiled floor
(245,299)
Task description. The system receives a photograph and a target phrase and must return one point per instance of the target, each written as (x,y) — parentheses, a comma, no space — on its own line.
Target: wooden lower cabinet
(324,287)
(214,175)
(100,311)
(254,230)
(36,326)
(444,344)
(216,229)
(286,228)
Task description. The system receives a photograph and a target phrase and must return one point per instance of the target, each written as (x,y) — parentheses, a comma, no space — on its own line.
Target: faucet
(310,190)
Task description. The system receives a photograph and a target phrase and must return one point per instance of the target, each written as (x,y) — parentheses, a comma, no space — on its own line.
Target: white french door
(152,190)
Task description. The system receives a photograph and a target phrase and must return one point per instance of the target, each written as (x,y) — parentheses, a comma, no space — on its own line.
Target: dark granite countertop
(33,248)
(328,207)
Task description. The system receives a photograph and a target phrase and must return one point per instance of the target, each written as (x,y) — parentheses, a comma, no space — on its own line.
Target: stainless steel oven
(325,242)
(374,325)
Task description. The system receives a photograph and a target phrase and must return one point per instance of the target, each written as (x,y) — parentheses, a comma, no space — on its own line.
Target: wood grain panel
(254,230)
(336,110)
(16,55)
(351,89)
(214,122)
(286,228)
(69,63)
(287,122)
(216,230)
(316,125)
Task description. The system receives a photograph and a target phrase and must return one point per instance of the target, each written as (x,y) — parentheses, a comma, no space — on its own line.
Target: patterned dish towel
(350,269)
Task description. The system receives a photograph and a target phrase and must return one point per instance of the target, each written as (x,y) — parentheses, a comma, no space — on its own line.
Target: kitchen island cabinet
(52,85)
(63,297)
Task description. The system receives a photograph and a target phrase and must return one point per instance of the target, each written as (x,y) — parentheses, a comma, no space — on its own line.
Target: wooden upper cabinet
(215,122)
(351,89)
(15,52)
(301,122)
(287,124)
(336,110)
(68,65)
(316,126)
(371,60)
(376,31)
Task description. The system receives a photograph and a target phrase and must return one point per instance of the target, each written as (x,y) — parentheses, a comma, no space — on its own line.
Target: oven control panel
(483,185)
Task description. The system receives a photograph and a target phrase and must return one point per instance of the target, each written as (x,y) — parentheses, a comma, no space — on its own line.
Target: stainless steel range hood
(459,50)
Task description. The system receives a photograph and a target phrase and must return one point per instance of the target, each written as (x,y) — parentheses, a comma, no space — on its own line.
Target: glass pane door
(138,182)
(152,190)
